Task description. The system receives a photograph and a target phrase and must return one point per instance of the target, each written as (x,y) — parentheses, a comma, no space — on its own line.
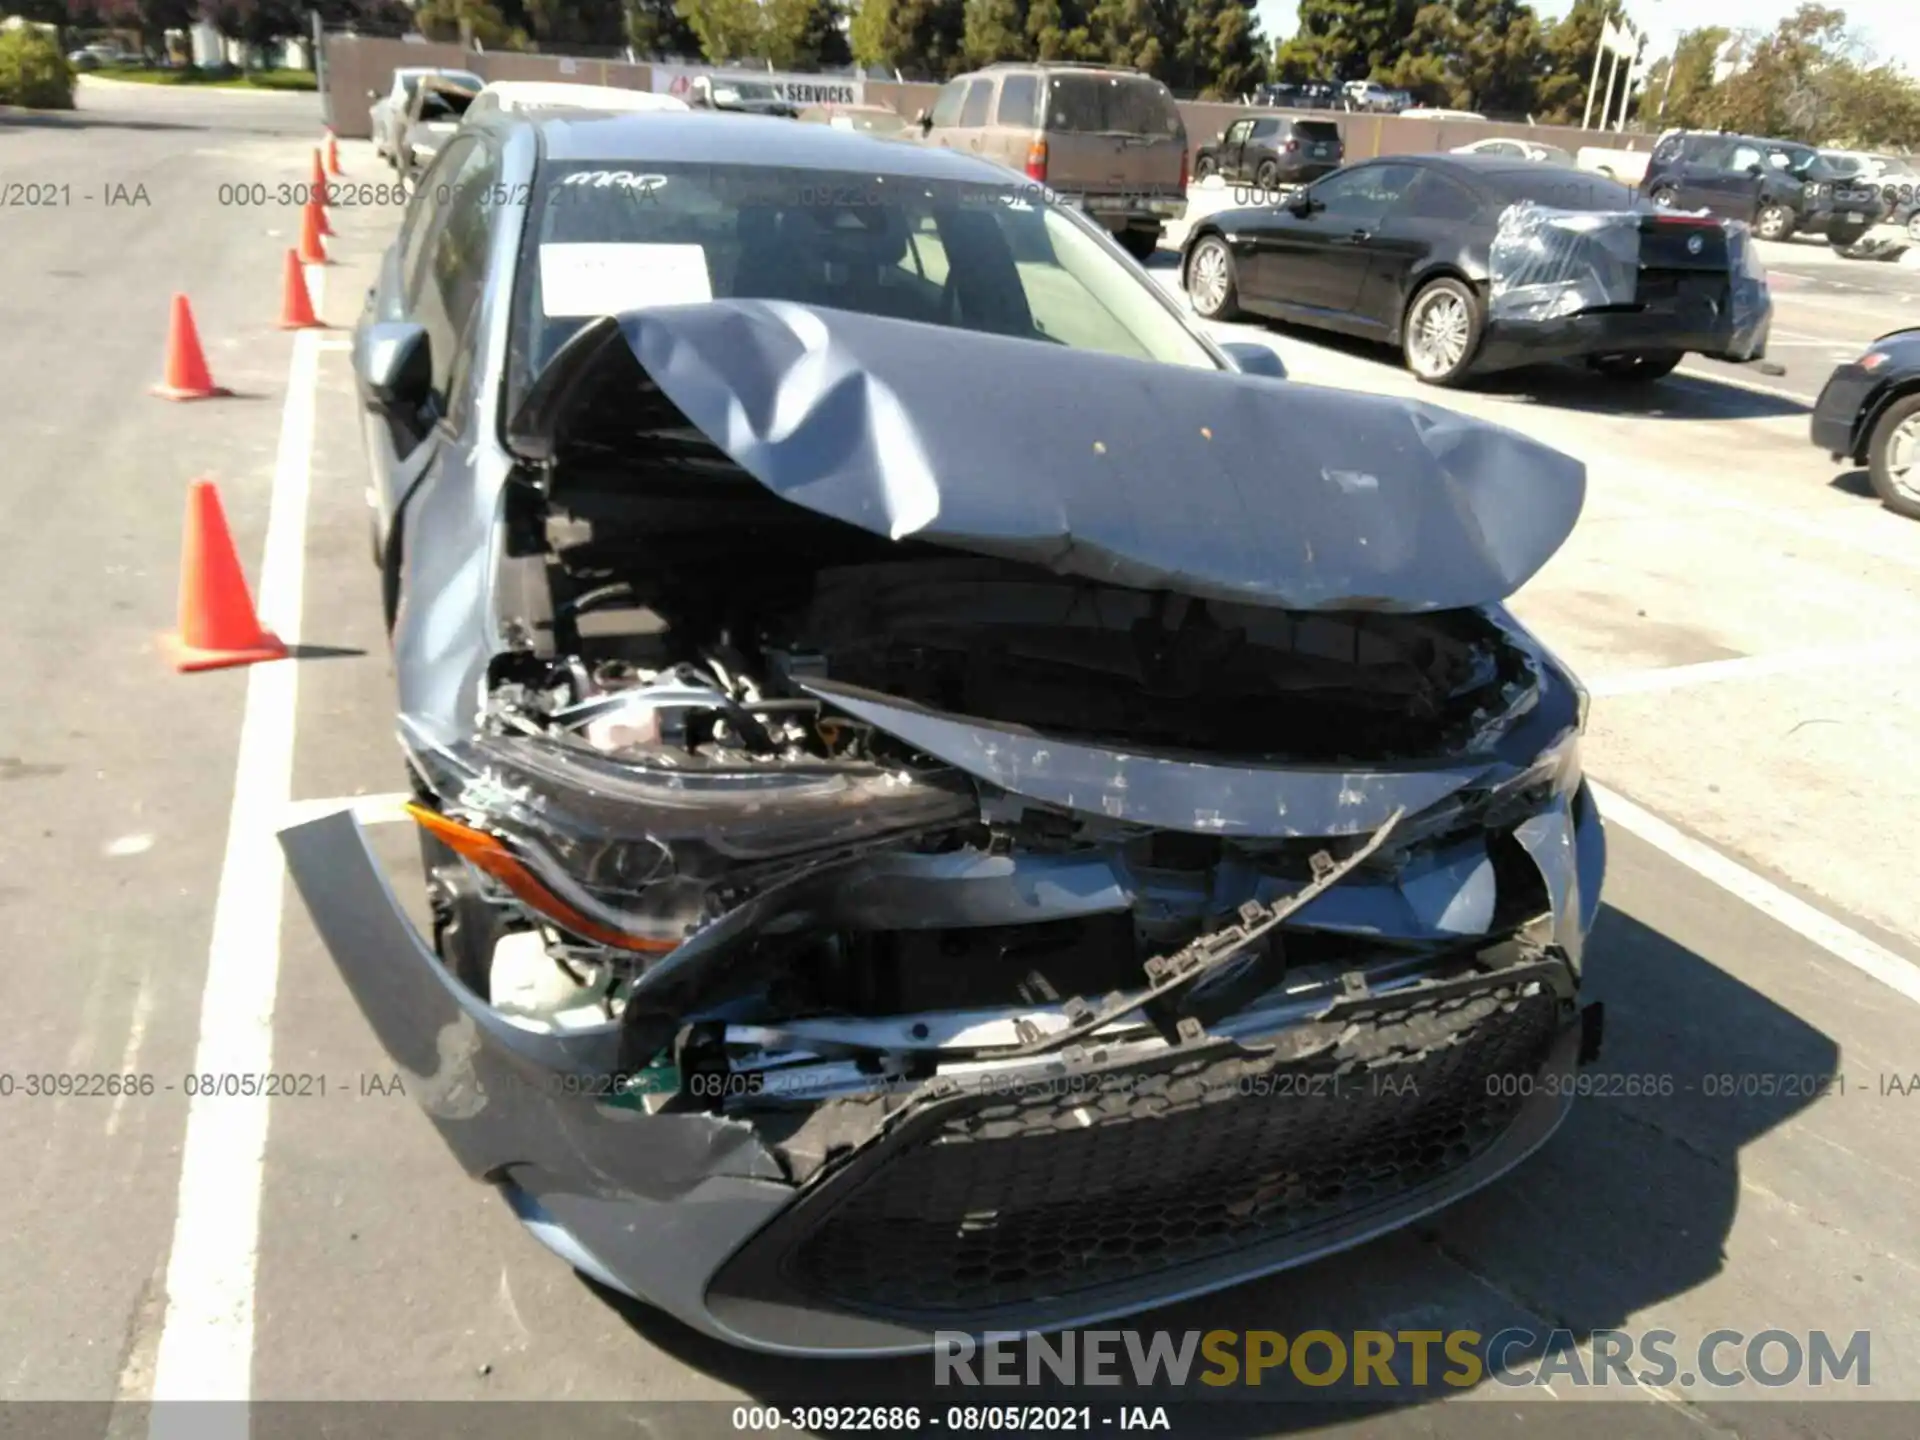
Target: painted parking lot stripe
(206,1340)
(386,809)
(1840,941)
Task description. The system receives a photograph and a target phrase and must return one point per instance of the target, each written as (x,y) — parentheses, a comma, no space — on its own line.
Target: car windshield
(989,257)
(1111,105)
(744,90)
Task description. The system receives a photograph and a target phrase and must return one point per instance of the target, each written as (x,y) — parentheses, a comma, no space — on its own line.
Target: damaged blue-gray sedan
(949,803)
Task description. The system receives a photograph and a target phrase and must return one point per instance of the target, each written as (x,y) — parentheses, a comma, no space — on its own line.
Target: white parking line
(1753,667)
(206,1341)
(385,809)
(1840,941)
(1774,391)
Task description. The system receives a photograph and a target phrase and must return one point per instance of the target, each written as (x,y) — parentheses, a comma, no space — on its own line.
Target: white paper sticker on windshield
(580,281)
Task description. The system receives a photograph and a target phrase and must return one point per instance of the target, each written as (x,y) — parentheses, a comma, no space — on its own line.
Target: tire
(1440,333)
(1895,442)
(1140,244)
(1210,281)
(1774,222)
(1640,368)
(1204,167)
(1267,177)
(1662,195)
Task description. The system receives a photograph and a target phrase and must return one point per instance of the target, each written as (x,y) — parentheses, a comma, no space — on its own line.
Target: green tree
(1483,55)
(996,30)
(805,35)
(920,38)
(1786,86)
(1058,30)
(558,23)
(1342,40)
(1218,51)
(1680,88)
(727,29)
(1570,48)
(656,27)
(1874,108)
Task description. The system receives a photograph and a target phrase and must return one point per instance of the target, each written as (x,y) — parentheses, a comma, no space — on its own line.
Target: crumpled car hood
(1130,472)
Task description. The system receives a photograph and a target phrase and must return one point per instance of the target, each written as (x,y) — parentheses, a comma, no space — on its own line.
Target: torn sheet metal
(1287,495)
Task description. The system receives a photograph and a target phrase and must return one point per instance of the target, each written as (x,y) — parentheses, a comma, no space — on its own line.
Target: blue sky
(1877,21)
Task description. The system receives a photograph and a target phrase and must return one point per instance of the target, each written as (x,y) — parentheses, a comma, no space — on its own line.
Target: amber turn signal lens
(489,855)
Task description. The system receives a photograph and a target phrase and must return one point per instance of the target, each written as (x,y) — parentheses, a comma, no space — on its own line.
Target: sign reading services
(793,89)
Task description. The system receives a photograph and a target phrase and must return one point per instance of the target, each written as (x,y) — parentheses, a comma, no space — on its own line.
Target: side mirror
(1252,359)
(925,122)
(396,361)
(1758,172)
(1300,203)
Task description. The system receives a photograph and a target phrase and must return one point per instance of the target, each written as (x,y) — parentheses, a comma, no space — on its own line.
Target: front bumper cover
(658,1205)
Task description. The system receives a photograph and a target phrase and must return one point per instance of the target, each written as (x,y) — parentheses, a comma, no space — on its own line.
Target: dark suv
(1272,151)
(1777,186)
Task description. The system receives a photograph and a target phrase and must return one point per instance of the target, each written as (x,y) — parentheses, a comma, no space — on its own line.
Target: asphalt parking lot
(1742,609)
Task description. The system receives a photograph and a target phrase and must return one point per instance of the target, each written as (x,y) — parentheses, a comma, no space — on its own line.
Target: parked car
(867,119)
(520,96)
(387,116)
(739,96)
(1896,178)
(438,106)
(1313,96)
(827,720)
(1869,413)
(1779,187)
(1532,150)
(1372,95)
(1272,151)
(94,57)
(1467,263)
(1109,140)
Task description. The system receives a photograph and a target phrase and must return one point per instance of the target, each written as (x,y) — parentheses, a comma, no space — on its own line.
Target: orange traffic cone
(296,305)
(319,214)
(333,154)
(319,175)
(217,624)
(187,374)
(312,250)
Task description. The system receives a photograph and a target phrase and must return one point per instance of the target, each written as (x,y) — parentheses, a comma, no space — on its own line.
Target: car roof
(741,140)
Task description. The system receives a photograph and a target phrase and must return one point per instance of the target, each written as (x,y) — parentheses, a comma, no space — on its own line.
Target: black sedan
(1869,413)
(1474,263)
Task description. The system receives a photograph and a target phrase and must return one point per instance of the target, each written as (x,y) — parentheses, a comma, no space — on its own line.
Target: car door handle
(1358,235)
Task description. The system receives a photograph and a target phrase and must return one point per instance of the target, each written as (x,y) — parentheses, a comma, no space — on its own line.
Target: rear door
(1320,142)
(1113,136)
(1233,142)
(1730,189)
(1016,120)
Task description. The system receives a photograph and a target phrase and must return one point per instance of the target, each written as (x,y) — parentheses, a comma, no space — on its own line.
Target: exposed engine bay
(744,756)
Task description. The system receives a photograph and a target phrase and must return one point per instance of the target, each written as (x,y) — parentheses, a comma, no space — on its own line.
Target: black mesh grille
(1010,1199)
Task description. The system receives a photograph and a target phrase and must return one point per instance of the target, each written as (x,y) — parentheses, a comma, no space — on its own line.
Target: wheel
(1662,195)
(1774,222)
(1893,456)
(1267,177)
(1210,280)
(1635,369)
(1441,332)
(1204,167)
(1141,244)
